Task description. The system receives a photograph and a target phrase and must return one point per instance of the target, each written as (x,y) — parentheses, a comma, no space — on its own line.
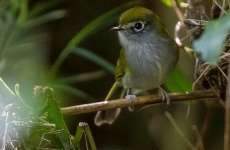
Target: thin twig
(223,12)
(227,115)
(176,33)
(221,8)
(5,132)
(178,11)
(205,71)
(179,131)
(200,144)
(222,72)
(142,100)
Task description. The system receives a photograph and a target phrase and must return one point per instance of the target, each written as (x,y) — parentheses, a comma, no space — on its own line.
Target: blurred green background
(31,45)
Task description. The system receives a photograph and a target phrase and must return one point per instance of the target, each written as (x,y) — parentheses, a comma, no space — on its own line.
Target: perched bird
(147,57)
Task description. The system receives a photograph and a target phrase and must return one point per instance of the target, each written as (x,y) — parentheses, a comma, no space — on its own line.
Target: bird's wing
(121,64)
(120,72)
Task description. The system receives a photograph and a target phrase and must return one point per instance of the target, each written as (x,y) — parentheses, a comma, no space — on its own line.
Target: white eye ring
(138,26)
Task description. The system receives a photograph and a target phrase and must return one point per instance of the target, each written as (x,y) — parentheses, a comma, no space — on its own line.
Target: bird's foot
(165,95)
(130,99)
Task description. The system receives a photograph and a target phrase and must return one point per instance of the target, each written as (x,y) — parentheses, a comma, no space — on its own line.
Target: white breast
(145,69)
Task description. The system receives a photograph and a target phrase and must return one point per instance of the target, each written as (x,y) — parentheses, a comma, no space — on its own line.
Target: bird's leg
(130,99)
(164,94)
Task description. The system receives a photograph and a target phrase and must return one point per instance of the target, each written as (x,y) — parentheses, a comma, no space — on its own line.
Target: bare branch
(178,11)
(142,100)
(227,115)
(179,131)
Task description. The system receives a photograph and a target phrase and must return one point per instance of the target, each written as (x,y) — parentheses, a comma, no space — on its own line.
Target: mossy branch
(142,100)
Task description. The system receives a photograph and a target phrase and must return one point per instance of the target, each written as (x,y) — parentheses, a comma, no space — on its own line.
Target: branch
(178,11)
(142,100)
(227,114)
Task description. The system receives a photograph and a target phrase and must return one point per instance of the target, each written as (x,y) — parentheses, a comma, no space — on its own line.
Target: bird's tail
(108,116)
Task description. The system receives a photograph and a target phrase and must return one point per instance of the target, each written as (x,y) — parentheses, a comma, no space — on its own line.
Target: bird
(148,56)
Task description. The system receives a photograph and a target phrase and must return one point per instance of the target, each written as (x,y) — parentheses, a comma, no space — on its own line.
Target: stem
(227,114)
(179,131)
(178,11)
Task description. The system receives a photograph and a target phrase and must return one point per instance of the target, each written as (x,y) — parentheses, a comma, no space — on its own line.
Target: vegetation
(79,69)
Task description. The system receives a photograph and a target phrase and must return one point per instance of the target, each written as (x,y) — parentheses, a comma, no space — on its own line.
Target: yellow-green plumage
(137,13)
(121,64)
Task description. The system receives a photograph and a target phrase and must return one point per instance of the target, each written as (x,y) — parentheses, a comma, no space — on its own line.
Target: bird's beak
(118,28)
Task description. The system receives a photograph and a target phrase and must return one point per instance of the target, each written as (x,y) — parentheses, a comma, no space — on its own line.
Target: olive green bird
(147,57)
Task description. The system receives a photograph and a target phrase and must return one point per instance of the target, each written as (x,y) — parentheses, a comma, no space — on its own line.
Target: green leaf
(83,127)
(94,58)
(6,91)
(210,44)
(73,91)
(54,15)
(61,139)
(42,7)
(83,77)
(178,82)
(168,2)
(90,137)
(77,137)
(23,12)
(17,93)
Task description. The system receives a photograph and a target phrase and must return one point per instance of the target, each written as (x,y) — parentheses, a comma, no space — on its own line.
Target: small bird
(147,57)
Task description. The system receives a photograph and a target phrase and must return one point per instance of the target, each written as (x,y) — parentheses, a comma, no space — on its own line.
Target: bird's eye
(138,26)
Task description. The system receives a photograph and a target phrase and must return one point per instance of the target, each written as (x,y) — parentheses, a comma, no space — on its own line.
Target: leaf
(90,137)
(23,13)
(61,138)
(211,42)
(94,58)
(77,137)
(83,127)
(178,82)
(42,7)
(168,2)
(6,91)
(17,93)
(54,15)
(83,77)
(73,91)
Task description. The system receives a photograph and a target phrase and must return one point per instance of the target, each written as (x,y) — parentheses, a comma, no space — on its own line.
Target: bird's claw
(130,99)
(164,95)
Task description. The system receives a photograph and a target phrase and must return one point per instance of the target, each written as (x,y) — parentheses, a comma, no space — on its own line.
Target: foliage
(178,82)
(40,125)
(37,119)
(169,3)
(32,127)
(83,128)
(215,35)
